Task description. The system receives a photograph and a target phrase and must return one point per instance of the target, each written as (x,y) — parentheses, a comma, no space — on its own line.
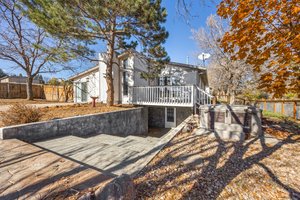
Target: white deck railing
(164,95)
(185,96)
(202,97)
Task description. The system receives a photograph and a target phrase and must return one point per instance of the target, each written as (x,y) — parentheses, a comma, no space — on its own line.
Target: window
(175,80)
(170,114)
(163,81)
(169,80)
(125,64)
(125,83)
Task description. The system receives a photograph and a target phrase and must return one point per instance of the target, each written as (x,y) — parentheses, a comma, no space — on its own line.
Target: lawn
(205,167)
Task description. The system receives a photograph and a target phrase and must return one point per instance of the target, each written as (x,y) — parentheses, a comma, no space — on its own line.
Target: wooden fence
(58,93)
(286,107)
(289,108)
(18,90)
(48,92)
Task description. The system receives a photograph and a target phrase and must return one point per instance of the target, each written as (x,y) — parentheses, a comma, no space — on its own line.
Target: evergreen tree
(2,73)
(122,24)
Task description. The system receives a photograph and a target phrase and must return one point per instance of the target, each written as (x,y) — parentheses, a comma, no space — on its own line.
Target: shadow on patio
(28,172)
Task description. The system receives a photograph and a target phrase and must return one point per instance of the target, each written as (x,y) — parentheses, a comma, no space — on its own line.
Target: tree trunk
(29,88)
(109,78)
(109,66)
(230,97)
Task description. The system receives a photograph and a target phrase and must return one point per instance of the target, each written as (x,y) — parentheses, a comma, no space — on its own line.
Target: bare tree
(225,75)
(29,47)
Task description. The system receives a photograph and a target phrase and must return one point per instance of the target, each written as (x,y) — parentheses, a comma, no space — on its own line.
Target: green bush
(20,114)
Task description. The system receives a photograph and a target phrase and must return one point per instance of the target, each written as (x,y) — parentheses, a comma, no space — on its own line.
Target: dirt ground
(56,112)
(206,167)
(14,101)
(77,109)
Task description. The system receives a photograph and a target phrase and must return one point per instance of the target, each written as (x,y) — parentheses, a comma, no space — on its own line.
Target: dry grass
(24,101)
(77,110)
(20,114)
(205,167)
(49,113)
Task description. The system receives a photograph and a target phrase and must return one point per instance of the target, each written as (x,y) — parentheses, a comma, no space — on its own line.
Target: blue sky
(179,45)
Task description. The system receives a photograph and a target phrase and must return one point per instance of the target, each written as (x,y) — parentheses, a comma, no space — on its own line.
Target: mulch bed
(202,167)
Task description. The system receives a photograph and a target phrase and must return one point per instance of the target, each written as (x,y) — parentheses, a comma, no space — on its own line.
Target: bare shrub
(20,114)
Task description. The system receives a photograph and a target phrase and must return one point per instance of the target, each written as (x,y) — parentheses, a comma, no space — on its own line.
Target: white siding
(140,66)
(97,85)
(92,80)
(126,99)
(185,76)
(116,80)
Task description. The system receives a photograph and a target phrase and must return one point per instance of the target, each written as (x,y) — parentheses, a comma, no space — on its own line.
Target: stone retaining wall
(122,123)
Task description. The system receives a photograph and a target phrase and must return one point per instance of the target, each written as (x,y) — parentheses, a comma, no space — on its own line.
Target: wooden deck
(179,96)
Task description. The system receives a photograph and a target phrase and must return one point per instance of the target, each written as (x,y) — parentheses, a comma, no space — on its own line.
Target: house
(18,79)
(170,98)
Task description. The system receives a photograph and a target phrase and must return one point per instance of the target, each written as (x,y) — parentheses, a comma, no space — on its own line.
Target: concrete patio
(112,154)
(68,166)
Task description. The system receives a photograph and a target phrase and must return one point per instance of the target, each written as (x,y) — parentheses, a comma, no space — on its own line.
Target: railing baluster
(150,90)
(159,95)
(145,93)
(157,89)
(170,93)
(148,94)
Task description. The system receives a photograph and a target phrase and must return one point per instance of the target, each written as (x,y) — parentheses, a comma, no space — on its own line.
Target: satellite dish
(204,56)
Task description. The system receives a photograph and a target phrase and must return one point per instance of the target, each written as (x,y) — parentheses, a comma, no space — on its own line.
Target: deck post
(295,110)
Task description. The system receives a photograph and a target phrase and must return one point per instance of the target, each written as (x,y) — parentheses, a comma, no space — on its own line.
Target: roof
(4,77)
(187,66)
(128,52)
(132,51)
(95,68)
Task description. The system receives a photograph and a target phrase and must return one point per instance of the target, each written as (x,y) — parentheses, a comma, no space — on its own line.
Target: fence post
(295,110)
(282,107)
(8,92)
(57,92)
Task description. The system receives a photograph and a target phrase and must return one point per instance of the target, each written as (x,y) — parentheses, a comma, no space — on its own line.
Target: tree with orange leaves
(266,33)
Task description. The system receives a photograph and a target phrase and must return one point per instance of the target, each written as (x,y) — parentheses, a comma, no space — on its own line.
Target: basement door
(170,117)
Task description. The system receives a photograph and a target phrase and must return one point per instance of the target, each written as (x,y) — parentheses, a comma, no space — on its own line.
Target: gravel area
(205,167)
